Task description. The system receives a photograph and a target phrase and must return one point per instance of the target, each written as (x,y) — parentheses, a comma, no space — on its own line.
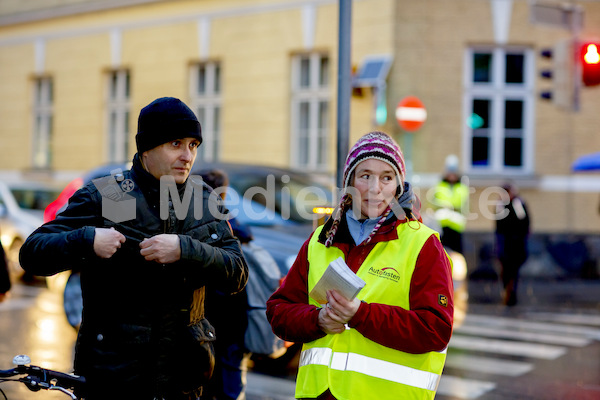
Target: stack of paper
(340,277)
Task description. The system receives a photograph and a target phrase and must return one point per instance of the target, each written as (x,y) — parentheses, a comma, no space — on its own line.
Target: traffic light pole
(344,87)
(576,25)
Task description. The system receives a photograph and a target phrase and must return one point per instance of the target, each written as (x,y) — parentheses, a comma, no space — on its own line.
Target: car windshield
(34,198)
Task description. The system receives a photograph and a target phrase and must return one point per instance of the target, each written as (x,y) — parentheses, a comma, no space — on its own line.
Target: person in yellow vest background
(390,341)
(451,204)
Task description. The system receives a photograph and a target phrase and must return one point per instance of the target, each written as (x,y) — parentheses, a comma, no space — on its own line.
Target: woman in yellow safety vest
(389,342)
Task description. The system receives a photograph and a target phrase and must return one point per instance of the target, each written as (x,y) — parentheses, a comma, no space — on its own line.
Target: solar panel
(373,71)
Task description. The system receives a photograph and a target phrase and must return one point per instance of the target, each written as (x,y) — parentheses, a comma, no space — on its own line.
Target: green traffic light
(381,114)
(475,121)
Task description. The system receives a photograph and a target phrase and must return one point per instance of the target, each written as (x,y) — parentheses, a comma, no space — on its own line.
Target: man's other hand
(163,248)
(107,242)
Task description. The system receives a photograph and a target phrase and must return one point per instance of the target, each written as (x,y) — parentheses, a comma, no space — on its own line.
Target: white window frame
(211,102)
(118,112)
(315,94)
(42,122)
(497,92)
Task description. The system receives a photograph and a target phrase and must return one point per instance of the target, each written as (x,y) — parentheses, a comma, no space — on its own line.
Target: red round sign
(411,113)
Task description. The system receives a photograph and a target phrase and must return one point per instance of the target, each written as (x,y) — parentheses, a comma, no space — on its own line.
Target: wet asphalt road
(546,347)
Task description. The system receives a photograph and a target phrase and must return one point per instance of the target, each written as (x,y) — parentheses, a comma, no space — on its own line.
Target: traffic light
(380,105)
(590,64)
(560,71)
(546,73)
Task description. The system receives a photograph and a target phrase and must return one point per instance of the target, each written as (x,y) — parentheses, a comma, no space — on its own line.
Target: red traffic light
(591,55)
(590,64)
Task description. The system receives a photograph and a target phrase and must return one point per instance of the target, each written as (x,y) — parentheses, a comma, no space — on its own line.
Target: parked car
(22,206)
(289,193)
(276,202)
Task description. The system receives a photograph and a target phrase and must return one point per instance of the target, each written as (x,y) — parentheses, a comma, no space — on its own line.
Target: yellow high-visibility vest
(452,203)
(352,366)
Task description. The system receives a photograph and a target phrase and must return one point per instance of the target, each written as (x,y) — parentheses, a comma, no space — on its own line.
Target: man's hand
(163,248)
(4,296)
(337,312)
(107,242)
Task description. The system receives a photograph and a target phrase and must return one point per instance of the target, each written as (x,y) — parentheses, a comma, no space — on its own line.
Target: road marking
(488,365)
(279,388)
(577,319)
(546,327)
(463,388)
(574,341)
(524,349)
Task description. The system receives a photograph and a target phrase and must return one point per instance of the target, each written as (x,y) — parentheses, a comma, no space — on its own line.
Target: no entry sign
(411,113)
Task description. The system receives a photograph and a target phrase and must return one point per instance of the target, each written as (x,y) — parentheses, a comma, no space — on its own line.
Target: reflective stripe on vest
(451,219)
(352,366)
(371,366)
(452,203)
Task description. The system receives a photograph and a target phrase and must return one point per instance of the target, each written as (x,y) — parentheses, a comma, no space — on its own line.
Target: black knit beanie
(164,120)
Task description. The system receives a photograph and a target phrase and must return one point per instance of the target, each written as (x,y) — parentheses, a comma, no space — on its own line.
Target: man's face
(172,158)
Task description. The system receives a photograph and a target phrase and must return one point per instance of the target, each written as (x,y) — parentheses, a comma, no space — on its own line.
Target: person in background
(451,202)
(228,381)
(389,342)
(512,233)
(5,284)
(145,260)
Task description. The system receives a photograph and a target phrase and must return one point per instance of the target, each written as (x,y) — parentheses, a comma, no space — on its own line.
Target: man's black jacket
(136,311)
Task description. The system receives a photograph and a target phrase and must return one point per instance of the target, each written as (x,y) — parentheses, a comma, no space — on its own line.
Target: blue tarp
(589,162)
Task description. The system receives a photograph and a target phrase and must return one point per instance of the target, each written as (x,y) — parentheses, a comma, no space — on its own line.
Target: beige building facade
(262,77)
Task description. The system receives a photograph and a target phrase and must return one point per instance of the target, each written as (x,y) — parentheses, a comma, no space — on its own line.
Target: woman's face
(376,183)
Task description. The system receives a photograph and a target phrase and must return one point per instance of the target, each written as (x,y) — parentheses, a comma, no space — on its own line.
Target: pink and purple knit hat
(374,145)
(379,146)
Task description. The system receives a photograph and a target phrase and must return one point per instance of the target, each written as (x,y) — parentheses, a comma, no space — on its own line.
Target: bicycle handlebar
(37,378)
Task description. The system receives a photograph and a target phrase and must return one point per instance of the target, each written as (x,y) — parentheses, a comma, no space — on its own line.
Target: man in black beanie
(144,335)
(163,125)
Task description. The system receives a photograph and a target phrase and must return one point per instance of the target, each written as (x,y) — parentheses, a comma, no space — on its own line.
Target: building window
(499,111)
(42,125)
(206,102)
(118,108)
(310,111)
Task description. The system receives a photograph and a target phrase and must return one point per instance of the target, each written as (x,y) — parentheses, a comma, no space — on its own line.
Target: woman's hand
(343,308)
(338,312)
(327,323)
